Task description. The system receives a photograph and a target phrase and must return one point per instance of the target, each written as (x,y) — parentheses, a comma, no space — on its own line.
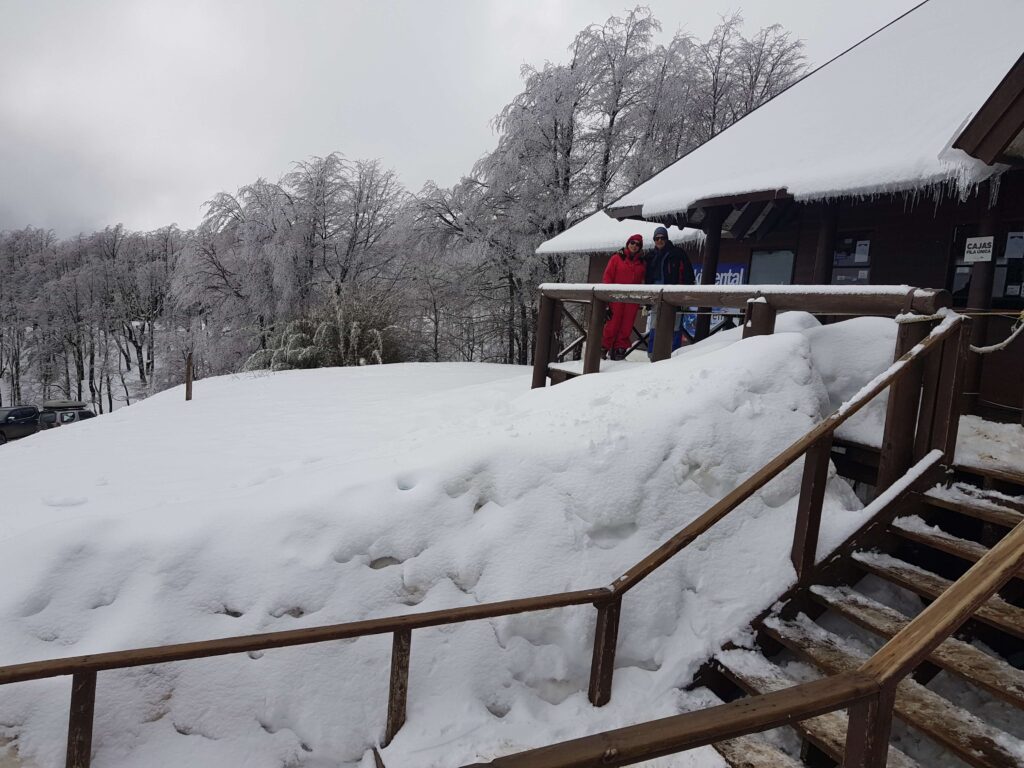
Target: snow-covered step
(974,502)
(752,752)
(913,528)
(960,658)
(995,612)
(756,675)
(1002,474)
(972,740)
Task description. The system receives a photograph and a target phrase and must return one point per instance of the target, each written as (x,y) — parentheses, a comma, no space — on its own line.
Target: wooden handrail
(882,300)
(755,482)
(886,667)
(678,733)
(37,670)
(904,652)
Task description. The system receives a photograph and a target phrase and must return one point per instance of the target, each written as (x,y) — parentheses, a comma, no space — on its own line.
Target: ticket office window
(772,267)
(851,260)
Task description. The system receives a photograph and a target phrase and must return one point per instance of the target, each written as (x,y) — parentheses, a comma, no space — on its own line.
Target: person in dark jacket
(667,264)
(626,267)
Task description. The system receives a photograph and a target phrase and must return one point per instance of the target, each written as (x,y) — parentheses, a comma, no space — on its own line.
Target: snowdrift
(306,498)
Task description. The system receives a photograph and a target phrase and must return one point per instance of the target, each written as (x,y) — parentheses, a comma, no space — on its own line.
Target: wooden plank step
(913,528)
(987,507)
(752,752)
(957,657)
(996,612)
(972,740)
(756,675)
(1002,474)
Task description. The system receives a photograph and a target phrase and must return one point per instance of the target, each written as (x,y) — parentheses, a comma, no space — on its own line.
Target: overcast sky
(137,111)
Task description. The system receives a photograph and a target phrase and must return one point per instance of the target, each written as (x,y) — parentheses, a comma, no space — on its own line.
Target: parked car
(18,421)
(57,413)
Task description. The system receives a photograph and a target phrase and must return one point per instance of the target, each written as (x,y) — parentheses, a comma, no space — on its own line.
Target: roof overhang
(741,215)
(996,133)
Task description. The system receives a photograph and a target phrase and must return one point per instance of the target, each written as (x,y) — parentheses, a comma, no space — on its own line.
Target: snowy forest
(336,263)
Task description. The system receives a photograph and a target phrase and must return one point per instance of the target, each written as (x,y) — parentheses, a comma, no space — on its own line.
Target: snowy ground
(277,501)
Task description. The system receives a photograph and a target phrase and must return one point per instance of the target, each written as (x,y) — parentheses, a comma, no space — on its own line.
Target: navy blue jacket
(669,266)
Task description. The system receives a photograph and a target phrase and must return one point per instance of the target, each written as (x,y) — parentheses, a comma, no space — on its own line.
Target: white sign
(978,249)
(860,256)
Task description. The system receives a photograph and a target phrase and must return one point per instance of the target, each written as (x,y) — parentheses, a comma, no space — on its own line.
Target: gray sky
(137,111)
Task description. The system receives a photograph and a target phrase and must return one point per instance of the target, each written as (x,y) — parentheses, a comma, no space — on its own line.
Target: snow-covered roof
(882,117)
(600,233)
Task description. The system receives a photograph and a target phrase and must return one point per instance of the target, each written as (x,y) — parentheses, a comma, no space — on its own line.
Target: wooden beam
(741,225)
(771,218)
(824,253)
(759,318)
(709,264)
(545,332)
(83,704)
(399,688)
(606,638)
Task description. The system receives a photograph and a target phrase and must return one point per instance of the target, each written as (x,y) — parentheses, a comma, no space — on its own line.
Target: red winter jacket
(625,270)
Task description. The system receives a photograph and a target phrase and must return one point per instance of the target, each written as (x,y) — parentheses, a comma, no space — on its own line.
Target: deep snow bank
(308,498)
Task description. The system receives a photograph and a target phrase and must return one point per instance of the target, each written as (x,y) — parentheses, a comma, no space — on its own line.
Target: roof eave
(999,121)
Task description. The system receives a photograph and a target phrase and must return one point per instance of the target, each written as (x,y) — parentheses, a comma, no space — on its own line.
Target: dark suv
(19,421)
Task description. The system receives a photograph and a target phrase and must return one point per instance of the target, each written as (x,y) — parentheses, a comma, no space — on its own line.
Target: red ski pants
(618,329)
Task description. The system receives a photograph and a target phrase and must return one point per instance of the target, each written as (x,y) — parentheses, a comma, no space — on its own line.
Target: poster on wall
(727,274)
(1014,245)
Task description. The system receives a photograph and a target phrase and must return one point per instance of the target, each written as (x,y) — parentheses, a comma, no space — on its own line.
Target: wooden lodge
(898,162)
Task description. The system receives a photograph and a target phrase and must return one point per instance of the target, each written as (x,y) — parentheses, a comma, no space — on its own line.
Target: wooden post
(824,253)
(606,637)
(759,318)
(808,512)
(955,352)
(931,369)
(545,331)
(901,413)
(664,330)
(83,703)
(189,373)
(979,297)
(709,265)
(592,356)
(867,735)
(400,646)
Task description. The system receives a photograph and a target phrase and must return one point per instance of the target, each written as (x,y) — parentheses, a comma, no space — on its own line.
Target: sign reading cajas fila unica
(978,249)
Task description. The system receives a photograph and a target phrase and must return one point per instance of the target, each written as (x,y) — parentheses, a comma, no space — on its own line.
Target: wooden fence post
(545,331)
(948,401)
(664,330)
(606,637)
(867,735)
(399,688)
(189,373)
(901,413)
(808,513)
(83,703)
(759,318)
(592,356)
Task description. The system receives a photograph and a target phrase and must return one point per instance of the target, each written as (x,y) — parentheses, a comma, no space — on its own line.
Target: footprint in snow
(64,501)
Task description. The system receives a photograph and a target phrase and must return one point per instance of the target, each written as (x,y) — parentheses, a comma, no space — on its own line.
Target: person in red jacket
(626,267)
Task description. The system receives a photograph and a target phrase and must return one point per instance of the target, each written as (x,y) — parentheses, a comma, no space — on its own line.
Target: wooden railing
(760,304)
(943,343)
(868,692)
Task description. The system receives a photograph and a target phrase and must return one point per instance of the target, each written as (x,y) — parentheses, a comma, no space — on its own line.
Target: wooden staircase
(833,623)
